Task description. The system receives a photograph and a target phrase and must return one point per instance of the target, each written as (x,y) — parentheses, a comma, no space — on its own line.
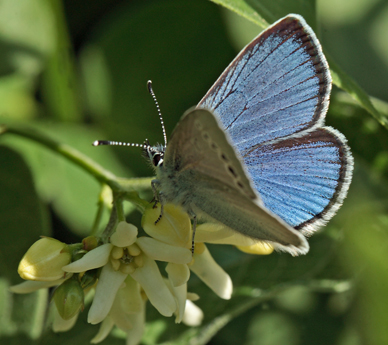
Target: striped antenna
(143,146)
(151,91)
(119,143)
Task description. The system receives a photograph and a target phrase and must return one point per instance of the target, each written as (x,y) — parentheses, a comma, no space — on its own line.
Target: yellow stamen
(115,264)
(127,268)
(117,252)
(139,262)
(134,250)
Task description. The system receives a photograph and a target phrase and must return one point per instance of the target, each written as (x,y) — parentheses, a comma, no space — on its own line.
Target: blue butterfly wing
(303,179)
(277,86)
(272,101)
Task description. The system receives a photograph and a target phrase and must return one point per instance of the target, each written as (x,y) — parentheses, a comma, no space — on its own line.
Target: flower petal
(151,281)
(212,233)
(108,284)
(138,321)
(259,248)
(59,324)
(130,296)
(103,332)
(164,252)
(192,296)
(212,274)
(125,235)
(174,227)
(193,315)
(128,301)
(180,293)
(221,234)
(31,286)
(97,257)
(177,274)
(119,316)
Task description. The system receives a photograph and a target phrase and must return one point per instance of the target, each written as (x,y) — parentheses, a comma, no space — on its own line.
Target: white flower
(127,313)
(128,255)
(130,275)
(175,227)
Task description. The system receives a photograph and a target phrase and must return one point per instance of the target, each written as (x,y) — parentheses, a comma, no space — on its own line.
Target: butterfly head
(154,153)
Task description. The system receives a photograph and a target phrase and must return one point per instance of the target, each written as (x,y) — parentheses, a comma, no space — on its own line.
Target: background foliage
(77,71)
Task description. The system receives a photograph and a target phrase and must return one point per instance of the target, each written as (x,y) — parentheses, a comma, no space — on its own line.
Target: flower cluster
(124,274)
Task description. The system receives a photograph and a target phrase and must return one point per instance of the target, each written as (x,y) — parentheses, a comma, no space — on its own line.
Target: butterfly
(254,154)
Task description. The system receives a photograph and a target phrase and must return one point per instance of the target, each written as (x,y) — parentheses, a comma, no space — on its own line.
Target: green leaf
(263,12)
(60,88)
(26,49)
(24,52)
(22,220)
(243,9)
(22,216)
(346,83)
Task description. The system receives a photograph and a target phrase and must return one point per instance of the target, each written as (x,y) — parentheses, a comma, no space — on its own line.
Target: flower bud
(69,299)
(44,260)
(90,243)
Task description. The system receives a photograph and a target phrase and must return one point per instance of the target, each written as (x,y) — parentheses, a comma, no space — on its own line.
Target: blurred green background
(77,71)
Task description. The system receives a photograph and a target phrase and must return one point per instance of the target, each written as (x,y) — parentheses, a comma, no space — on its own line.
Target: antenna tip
(101,142)
(149,85)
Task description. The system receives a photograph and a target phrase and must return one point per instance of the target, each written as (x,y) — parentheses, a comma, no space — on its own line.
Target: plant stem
(78,158)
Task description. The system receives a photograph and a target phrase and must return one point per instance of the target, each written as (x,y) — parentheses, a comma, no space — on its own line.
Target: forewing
(198,144)
(277,86)
(204,173)
(303,180)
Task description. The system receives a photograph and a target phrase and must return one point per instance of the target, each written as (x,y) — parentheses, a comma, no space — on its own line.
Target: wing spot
(205,136)
(232,171)
(240,185)
(224,158)
(214,146)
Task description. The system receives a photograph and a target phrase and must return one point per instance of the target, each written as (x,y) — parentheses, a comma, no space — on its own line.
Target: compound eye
(157,159)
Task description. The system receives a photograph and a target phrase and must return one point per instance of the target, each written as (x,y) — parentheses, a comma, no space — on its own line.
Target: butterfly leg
(158,197)
(194,216)
(154,185)
(161,208)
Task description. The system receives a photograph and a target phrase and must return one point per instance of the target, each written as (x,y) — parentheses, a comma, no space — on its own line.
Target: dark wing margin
(303,179)
(278,85)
